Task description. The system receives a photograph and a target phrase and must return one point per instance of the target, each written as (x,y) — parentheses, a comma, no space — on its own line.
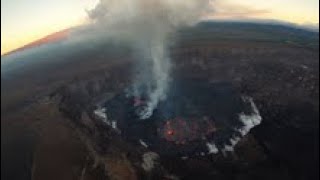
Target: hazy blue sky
(23,21)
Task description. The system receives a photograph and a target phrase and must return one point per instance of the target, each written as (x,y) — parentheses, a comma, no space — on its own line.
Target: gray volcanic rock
(50,128)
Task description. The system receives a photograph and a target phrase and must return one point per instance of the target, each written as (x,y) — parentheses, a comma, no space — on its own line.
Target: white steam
(146,25)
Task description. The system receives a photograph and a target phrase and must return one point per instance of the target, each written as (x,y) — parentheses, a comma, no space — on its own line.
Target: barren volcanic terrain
(51,129)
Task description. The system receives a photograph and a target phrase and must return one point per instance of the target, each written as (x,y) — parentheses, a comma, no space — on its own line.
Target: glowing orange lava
(170,132)
(181,130)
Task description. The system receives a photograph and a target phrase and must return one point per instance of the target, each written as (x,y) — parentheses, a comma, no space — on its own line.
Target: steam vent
(196,118)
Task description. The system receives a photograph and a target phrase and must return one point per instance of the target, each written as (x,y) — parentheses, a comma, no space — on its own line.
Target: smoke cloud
(146,25)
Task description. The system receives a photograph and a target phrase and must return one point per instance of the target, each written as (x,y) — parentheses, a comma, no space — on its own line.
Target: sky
(24,21)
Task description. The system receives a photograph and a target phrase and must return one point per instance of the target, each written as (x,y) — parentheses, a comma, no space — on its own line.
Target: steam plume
(146,25)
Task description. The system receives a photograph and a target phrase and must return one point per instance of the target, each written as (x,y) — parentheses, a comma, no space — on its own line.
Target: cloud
(225,10)
(311,26)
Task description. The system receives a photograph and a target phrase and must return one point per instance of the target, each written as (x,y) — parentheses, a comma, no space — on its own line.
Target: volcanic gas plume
(146,26)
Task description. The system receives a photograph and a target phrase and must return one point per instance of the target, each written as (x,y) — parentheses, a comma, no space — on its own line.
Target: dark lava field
(49,129)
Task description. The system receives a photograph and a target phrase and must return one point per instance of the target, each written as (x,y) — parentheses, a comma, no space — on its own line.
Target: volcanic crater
(196,118)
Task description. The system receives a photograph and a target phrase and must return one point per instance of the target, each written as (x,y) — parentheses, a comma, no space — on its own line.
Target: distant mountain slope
(216,30)
(57,36)
(250,31)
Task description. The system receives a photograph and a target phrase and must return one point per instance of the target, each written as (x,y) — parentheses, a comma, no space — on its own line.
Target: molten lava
(170,132)
(193,115)
(180,130)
